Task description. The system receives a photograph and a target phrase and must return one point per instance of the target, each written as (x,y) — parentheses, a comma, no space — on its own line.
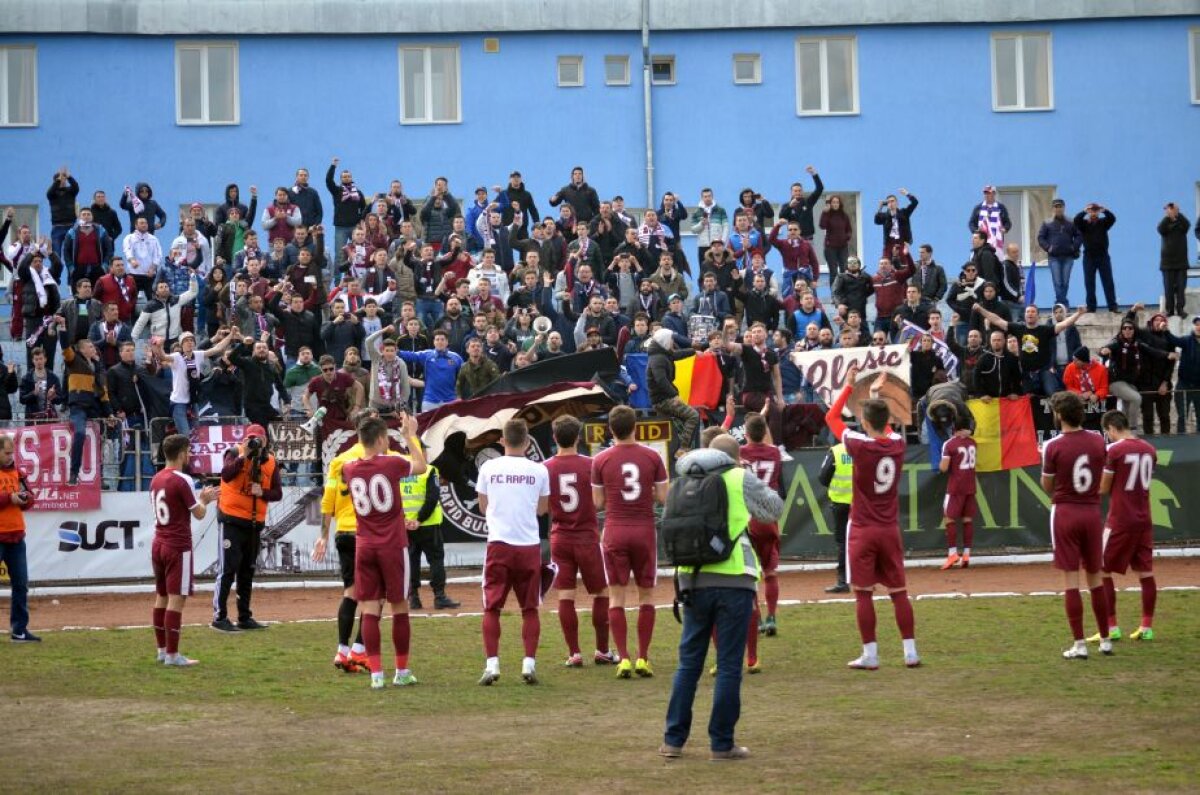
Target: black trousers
(1174,289)
(237,557)
(1154,403)
(427,540)
(841,518)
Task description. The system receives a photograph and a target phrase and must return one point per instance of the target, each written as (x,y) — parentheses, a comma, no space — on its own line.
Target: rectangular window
(826,76)
(1027,209)
(662,70)
(206,83)
(1022,72)
(570,71)
(747,68)
(1194,58)
(616,70)
(429,85)
(18,86)
(850,203)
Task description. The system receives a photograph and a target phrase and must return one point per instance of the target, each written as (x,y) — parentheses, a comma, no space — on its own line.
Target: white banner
(825,371)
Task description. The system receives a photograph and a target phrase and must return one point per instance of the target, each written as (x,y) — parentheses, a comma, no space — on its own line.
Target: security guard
(423,514)
(837,474)
(249,481)
(719,604)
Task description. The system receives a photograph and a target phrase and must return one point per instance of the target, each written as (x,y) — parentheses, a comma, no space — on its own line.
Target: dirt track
(294,604)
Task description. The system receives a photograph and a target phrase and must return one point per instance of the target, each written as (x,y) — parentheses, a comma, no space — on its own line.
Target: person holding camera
(15,498)
(249,482)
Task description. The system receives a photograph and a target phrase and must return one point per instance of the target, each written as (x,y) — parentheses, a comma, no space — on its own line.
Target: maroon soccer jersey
(174,496)
(877,465)
(572,511)
(1076,460)
(333,395)
(765,461)
(374,486)
(628,473)
(961,474)
(1131,464)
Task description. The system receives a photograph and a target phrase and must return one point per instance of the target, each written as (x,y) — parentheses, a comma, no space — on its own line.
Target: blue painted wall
(1123,131)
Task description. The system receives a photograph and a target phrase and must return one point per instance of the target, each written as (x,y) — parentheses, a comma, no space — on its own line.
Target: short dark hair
(440,333)
(756,427)
(371,430)
(327,359)
(173,445)
(1115,420)
(516,433)
(710,433)
(1069,408)
(566,430)
(621,421)
(875,413)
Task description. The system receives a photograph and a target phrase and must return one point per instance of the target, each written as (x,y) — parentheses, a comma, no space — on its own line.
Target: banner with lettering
(825,371)
(43,456)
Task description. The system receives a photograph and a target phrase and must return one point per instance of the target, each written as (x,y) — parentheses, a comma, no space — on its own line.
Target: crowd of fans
(408,307)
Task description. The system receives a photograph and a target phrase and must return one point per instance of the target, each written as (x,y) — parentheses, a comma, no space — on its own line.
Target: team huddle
(365,501)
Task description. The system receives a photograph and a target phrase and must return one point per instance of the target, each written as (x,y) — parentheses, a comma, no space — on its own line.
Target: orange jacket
(1073,377)
(12,516)
(235,500)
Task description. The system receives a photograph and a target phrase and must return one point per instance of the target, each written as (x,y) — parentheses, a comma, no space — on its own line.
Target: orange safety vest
(235,499)
(12,518)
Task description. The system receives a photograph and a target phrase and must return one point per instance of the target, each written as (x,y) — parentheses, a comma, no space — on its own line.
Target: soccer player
(766,462)
(175,501)
(627,479)
(575,541)
(381,553)
(958,461)
(338,510)
(513,492)
(1128,533)
(1072,465)
(874,549)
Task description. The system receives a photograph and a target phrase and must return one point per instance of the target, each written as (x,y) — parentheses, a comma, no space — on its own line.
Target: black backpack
(695,521)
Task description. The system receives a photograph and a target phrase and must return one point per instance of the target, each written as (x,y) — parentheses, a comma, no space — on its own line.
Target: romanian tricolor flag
(1004,434)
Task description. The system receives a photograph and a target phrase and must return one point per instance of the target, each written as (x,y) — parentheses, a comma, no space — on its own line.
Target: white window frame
(662,59)
(577,60)
(4,51)
(427,49)
(623,61)
(204,120)
(1020,37)
(1030,252)
(755,60)
(824,43)
(1194,63)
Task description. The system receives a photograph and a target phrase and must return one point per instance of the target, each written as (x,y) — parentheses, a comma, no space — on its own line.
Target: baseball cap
(1092,206)
(197,206)
(481,189)
(515,174)
(674,297)
(255,430)
(1058,203)
(593,330)
(1083,354)
(1196,319)
(989,188)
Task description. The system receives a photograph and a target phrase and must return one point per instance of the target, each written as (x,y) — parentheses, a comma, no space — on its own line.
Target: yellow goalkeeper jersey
(335,500)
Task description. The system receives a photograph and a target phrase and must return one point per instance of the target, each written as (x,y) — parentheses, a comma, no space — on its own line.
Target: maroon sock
(904,614)
(1100,609)
(569,620)
(951,534)
(160,627)
(172,625)
(371,639)
(491,633)
(620,632)
(752,635)
(1110,593)
(968,533)
(1074,605)
(401,639)
(531,630)
(645,630)
(600,622)
(772,593)
(866,615)
(1149,600)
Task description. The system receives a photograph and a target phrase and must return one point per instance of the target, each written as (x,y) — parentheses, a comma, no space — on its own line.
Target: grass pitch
(993,709)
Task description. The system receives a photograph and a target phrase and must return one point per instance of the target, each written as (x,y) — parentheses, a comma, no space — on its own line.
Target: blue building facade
(1122,127)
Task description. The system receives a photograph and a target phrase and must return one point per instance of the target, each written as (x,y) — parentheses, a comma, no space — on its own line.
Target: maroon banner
(338,436)
(43,455)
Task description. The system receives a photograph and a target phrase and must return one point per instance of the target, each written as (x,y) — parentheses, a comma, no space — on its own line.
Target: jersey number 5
(570,494)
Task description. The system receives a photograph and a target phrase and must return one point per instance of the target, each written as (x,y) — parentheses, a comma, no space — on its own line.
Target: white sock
(377,676)
(402,672)
(492,665)
(161,650)
(952,552)
(871,650)
(966,550)
(358,648)
(1081,644)
(528,664)
(910,647)
(343,650)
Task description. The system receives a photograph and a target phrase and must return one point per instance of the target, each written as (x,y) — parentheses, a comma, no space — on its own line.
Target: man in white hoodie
(143,253)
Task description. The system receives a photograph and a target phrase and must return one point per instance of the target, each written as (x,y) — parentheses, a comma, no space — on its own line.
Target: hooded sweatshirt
(233,198)
(143,196)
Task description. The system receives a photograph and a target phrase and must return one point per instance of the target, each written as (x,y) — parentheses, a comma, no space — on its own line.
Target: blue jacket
(71,246)
(719,307)
(1189,360)
(679,329)
(1060,238)
(473,212)
(441,371)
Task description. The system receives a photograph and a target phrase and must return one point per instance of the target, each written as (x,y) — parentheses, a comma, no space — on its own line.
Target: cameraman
(249,480)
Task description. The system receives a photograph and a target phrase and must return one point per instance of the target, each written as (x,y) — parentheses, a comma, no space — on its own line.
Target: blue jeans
(200,326)
(429,310)
(57,235)
(179,417)
(728,610)
(1060,276)
(1186,396)
(1042,382)
(129,459)
(13,556)
(1102,264)
(79,423)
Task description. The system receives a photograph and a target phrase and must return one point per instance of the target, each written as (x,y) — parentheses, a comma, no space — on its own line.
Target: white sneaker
(1106,647)
(912,661)
(489,677)
(1076,652)
(378,681)
(864,663)
(161,656)
(529,673)
(178,660)
(783,454)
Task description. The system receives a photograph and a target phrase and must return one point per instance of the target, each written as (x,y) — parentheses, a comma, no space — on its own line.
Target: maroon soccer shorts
(1078,536)
(512,568)
(1126,548)
(631,552)
(381,573)
(959,506)
(172,571)
(874,555)
(579,557)
(764,537)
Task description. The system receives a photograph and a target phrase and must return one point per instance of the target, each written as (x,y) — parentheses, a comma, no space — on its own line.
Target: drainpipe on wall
(646,103)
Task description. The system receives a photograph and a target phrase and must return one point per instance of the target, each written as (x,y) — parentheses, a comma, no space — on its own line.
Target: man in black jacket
(76,315)
(581,196)
(134,405)
(349,204)
(799,207)
(1093,222)
(660,382)
(987,264)
(998,373)
(40,302)
(260,377)
(307,199)
(105,215)
(514,199)
(300,327)
(61,195)
(896,222)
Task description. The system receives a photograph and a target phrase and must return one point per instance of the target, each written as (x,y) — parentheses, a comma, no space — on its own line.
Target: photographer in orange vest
(249,481)
(15,498)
